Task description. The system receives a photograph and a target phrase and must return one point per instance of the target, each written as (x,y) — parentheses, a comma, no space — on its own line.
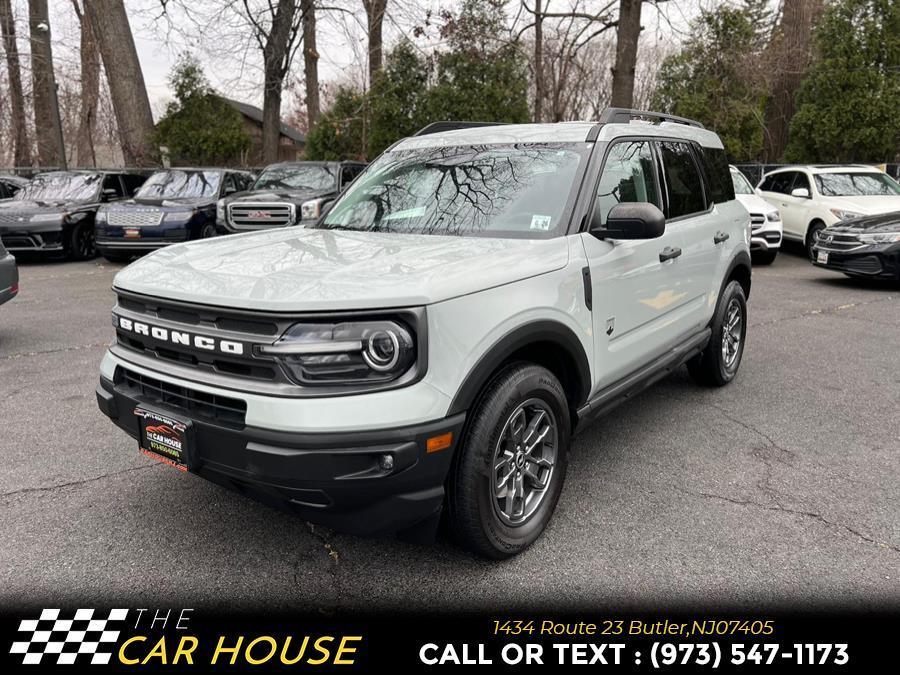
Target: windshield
(308,177)
(62,187)
(741,184)
(856,184)
(489,190)
(180,184)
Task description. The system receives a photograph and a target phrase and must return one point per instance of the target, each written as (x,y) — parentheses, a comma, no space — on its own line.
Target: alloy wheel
(524,461)
(732,333)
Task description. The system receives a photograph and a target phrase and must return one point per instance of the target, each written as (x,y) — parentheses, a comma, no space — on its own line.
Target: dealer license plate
(822,257)
(132,233)
(163,438)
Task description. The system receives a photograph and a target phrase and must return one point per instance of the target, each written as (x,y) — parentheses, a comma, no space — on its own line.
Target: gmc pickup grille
(250,216)
(222,409)
(134,217)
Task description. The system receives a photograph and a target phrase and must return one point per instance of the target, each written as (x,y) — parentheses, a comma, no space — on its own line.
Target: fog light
(386,462)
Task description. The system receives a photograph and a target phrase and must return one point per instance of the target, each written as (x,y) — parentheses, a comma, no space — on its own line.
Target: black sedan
(173,206)
(866,247)
(54,212)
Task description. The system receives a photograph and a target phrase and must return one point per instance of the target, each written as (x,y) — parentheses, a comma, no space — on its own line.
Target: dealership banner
(191,640)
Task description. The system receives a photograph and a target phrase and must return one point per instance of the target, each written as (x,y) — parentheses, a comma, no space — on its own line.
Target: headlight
(100,218)
(840,214)
(311,209)
(47,217)
(880,238)
(365,352)
(773,216)
(177,215)
(220,209)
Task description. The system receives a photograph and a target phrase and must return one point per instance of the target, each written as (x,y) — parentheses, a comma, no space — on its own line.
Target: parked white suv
(810,198)
(433,342)
(765,221)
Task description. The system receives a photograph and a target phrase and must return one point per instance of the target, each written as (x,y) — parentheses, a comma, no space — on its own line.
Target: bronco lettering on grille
(177,337)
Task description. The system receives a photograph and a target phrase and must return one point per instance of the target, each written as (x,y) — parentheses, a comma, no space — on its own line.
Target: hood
(29,206)
(867,205)
(178,203)
(884,222)
(755,204)
(296,270)
(295,196)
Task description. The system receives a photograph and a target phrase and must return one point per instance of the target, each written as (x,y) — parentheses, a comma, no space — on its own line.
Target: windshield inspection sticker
(540,223)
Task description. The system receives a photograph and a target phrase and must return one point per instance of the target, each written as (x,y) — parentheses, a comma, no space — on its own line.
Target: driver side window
(628,176)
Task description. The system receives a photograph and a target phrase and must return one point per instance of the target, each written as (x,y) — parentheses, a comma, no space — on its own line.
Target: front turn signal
(438,443)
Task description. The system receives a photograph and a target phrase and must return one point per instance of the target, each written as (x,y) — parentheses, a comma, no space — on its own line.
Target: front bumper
(335,479)
(34,238)
(9,278)
(766,238)
(875,262)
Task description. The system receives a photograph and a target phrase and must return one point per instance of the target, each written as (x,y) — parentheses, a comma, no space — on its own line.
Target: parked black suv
(174,205)
(54,213)
(289,193)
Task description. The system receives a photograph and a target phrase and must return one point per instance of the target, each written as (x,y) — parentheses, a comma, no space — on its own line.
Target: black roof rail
(625,115)
(447,125)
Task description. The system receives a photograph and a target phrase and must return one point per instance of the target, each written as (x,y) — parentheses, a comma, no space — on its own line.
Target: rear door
(637,298)
(776,189)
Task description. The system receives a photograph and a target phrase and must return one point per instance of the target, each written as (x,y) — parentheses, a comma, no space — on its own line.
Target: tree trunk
(275,62)
(22,151)
(627,34)
(126,81)
(375,10)
(789,55)
(538,61)
(42,82)
(90,92)
(310,62)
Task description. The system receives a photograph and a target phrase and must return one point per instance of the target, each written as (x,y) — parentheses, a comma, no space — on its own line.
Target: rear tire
(719,362)
(764,257)
(509,470)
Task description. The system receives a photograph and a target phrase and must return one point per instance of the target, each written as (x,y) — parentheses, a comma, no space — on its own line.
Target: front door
(637,297)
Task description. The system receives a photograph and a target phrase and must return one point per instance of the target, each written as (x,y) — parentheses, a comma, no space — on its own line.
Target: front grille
(757,220)
(837,241)
(196,404)
(250,216)
(14,218)
(134,217)
(207,321)
(862,264)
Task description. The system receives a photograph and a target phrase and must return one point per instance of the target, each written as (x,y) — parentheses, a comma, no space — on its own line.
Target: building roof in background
(256,114)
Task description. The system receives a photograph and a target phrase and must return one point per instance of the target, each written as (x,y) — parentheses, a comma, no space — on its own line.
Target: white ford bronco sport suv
(431,344)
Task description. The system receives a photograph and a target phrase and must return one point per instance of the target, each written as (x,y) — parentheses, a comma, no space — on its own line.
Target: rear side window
(683,182)
(628,176)
(719,175)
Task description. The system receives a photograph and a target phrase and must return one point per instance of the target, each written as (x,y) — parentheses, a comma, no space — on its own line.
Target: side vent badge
(610,325)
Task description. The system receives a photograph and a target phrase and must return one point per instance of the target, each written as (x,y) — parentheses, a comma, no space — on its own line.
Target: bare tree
(126,80)
(627,35)
(538,61)
(375,11)
(22,152)
(310,61)
(90,90)
(50,150)
(789,55)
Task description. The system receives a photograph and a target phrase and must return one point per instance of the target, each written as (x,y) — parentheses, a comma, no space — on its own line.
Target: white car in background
(811,198)
(765,221)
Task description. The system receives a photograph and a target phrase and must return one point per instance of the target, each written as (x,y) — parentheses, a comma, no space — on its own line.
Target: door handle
(669,253)
(720,237)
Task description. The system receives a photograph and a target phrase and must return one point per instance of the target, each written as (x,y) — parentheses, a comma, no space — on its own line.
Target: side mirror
(632,220)
(802,193)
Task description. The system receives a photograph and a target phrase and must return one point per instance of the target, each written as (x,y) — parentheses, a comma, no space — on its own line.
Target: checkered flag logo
(65,640)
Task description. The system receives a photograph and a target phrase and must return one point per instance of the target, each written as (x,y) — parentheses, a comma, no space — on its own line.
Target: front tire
(718,363)
(814,228)
(508,472)
(81,244)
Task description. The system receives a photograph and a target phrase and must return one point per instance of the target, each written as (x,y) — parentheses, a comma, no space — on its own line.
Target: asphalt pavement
(780,490)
